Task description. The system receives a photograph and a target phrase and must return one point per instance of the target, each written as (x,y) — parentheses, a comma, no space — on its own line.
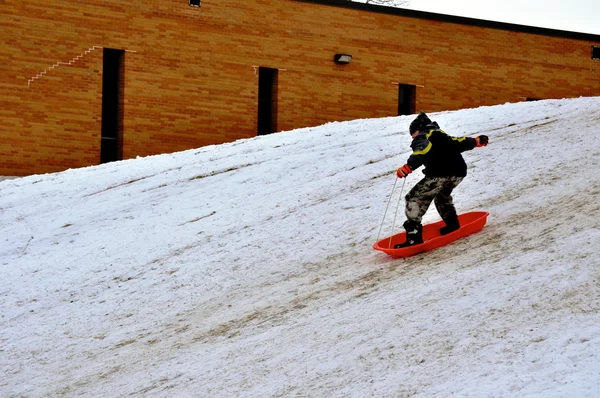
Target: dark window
(532,99)
(595,52)
(406,99)
(112,106)
(267,100)
(195,3)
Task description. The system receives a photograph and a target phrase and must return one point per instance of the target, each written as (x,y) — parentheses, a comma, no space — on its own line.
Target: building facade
(84,83)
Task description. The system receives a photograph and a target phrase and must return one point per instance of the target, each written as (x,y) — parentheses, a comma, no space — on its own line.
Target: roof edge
(483,23)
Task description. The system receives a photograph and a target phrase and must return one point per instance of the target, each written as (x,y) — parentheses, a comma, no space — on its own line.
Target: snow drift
(247,269)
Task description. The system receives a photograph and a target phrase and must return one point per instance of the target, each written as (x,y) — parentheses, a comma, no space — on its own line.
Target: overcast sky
(572,15)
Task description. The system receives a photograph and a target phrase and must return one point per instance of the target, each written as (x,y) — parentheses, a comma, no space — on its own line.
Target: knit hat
(419,123)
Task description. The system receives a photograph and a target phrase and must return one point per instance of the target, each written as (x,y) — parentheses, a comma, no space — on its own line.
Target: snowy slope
(246,269)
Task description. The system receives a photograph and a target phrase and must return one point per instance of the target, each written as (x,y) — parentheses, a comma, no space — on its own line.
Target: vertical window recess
(267,100)
(111,147)
(407,101)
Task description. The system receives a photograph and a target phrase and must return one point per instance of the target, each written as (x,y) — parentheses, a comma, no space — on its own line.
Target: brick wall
(190,76)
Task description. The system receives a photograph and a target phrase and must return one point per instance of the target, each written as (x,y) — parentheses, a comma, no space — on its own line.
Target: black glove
(482,140)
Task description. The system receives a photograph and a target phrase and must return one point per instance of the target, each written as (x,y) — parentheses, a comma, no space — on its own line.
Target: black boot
(414,235)
(451,225)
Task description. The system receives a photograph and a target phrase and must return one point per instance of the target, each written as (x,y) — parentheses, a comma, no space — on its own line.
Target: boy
(445,168)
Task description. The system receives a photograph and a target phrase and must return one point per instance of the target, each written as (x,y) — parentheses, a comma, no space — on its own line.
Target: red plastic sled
(469,224)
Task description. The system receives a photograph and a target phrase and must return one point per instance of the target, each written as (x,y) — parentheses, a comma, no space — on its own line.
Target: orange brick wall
(190,77)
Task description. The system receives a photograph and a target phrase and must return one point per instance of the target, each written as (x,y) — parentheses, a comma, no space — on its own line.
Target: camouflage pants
(437,189)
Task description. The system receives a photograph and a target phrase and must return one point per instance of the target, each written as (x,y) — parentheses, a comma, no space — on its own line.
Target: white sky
(573,15)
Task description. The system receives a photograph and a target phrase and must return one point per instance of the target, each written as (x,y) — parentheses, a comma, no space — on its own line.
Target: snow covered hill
(246,269)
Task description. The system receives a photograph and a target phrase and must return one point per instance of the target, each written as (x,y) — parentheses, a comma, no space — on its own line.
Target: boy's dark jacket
(439,152)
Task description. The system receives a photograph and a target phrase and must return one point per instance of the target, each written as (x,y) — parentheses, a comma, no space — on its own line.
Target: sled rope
(387,208)
(396,214)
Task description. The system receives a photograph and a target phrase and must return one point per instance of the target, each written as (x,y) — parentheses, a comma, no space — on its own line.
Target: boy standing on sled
(444,169)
